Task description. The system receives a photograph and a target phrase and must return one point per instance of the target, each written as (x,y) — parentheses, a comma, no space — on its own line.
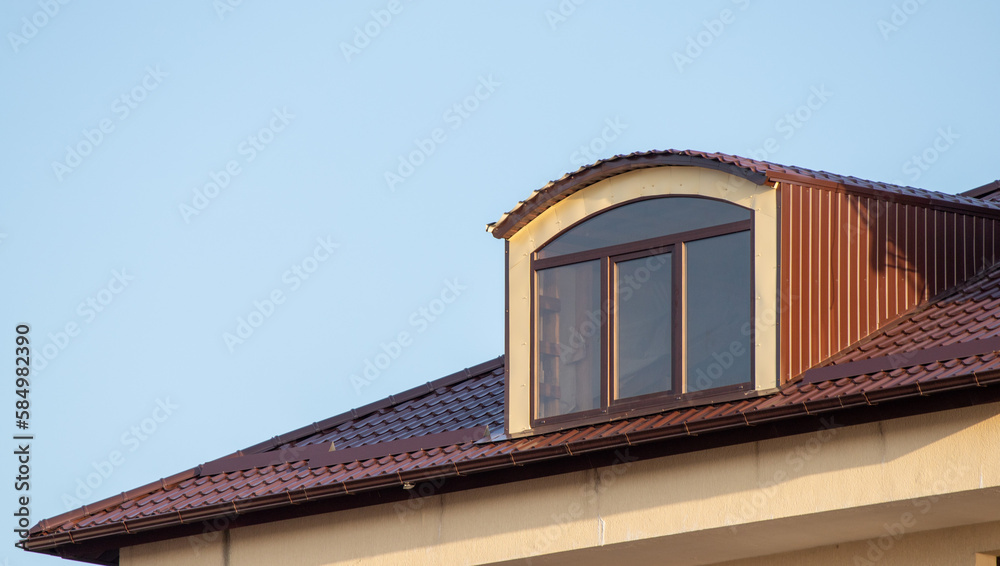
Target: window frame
(609,257)
(676,318)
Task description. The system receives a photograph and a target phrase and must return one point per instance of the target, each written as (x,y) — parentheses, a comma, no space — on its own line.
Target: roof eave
(124,533)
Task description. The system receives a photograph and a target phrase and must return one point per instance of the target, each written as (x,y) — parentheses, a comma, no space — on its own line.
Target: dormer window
(640,284)
(646,303)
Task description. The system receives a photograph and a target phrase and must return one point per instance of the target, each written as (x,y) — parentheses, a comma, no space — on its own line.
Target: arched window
(646,303)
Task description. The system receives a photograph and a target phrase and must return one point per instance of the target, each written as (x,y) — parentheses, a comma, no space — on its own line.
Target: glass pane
(568,339)
(643,325)
(644,219)
(719,300)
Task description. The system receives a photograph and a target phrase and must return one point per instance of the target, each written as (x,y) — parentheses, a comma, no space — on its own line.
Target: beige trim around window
(672,180)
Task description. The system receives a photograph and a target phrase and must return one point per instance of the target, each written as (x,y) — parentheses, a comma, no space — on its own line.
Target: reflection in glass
(719,299)
(650,218)
(568,339)
(643,325)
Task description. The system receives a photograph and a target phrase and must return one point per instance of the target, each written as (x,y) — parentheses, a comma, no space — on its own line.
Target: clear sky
(323,172)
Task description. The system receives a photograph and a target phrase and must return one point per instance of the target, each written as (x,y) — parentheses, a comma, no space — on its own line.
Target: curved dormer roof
(759,172)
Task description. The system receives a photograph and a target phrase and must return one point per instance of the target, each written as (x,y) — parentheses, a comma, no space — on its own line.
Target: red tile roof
(759,172)
(436,431)
(970,314)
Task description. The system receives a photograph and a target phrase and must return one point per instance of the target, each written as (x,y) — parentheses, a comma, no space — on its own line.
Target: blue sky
(214,214)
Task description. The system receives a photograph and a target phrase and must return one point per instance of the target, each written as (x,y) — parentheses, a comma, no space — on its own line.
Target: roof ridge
(771,167)
(984,191)
(763,167)
(755,171)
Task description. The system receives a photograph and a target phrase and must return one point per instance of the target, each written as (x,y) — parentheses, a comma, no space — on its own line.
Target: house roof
(967,314)
(759,172)
(960,325)
(474,398)
(989,191)
(452,428)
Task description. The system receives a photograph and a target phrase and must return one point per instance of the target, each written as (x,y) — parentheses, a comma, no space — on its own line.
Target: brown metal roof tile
(477,399)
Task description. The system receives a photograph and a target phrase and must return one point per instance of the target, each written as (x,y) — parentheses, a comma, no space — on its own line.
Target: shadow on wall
(853,263)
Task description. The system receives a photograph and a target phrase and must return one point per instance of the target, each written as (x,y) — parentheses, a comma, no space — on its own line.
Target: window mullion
(607,335)
(625,366)
(678,314)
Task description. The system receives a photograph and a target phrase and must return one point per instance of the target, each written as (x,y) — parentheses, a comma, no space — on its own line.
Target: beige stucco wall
(634,184)
(784,495)
(205,550)
(942,547)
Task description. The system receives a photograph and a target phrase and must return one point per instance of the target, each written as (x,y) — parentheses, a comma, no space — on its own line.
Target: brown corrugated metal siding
(852,262)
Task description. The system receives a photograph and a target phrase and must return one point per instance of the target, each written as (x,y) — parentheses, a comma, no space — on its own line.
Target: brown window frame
(609,257)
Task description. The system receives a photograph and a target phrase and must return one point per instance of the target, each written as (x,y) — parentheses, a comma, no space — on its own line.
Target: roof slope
(193,498)
(173,497)
(968,315)
(760,172)
(947,346)
(470,398)
(989,191)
